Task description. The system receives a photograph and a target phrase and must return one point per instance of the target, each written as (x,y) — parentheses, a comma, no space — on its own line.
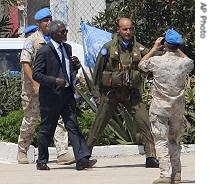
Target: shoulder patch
(104,51)
(28,45)
(141,48)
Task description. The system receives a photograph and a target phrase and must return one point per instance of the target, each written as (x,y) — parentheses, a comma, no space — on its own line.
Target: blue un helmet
(42,13)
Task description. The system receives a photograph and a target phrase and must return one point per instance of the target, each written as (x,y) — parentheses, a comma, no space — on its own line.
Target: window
(10,60)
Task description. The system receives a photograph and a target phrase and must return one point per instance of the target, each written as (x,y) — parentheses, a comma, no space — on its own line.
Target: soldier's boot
(152,162)
(150,151)
(163,180)
(167,180)
(65,159)
(22,158)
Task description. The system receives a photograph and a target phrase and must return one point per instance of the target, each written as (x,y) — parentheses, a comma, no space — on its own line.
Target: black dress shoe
(85,163)
(42,167)
(152,162)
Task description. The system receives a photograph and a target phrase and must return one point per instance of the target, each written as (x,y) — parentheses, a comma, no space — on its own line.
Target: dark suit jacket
(48,67)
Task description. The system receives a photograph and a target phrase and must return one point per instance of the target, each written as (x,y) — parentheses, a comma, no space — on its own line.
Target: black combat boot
(152,162)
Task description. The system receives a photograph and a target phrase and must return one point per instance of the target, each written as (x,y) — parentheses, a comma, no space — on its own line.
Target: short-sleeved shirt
(169,72)
(32,44)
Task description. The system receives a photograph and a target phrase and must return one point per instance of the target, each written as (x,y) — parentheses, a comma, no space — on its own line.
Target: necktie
(63,61)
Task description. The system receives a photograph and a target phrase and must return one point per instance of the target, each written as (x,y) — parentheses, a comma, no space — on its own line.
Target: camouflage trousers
(27,130)
(134,106)
(167,133)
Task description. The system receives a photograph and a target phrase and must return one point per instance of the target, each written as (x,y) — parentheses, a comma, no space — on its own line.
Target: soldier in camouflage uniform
(168,103)
(29,95)
(118,79)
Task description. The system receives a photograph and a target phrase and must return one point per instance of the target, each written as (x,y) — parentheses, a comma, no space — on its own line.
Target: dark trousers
(51,107)
(131,99)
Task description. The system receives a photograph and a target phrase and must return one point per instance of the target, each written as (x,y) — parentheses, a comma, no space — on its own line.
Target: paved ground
(115,170)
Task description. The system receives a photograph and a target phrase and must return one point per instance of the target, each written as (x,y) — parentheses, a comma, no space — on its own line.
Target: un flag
(93,40)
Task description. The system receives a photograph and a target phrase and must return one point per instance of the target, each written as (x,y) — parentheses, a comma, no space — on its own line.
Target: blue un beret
(30,29)
(172,37)
(43,13)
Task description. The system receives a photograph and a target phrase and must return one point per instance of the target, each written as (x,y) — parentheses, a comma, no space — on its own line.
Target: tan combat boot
(22,158)
(167,180)
(164,180)
(65,159)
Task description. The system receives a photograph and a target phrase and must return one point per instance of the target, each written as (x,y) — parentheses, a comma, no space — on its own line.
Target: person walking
(55,69)
(168,102)
(29,95)
(117,79)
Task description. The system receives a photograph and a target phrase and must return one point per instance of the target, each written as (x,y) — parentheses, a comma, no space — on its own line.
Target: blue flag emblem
(93,40)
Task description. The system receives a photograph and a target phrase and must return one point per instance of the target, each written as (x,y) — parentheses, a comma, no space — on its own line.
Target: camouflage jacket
(169,72)
(116,66)
(32,44)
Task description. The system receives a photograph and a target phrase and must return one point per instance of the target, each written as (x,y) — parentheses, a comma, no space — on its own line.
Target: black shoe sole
(152,166)
(43,168)
(88,165)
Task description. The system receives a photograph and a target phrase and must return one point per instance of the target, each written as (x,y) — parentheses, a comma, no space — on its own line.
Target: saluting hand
(158,46)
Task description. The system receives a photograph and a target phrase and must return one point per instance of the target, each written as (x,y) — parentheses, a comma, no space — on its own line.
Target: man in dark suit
(55,69)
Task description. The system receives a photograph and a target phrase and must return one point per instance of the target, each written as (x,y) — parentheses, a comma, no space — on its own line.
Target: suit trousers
(51,107)
(30,104)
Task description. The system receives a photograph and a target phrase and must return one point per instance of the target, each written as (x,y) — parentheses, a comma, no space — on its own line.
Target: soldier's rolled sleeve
(147,65)
(27,52)
(189,64)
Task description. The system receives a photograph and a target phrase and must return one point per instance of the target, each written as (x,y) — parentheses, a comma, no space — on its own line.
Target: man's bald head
(124,21)
(125,28)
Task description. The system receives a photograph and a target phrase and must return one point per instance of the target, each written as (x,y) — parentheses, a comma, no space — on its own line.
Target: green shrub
(10,126)
(10,90)
(189,135)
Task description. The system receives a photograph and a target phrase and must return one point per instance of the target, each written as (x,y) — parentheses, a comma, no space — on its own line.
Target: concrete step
(8,151)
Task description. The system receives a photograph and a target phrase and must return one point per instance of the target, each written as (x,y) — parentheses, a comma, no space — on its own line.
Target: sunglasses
(64,31)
